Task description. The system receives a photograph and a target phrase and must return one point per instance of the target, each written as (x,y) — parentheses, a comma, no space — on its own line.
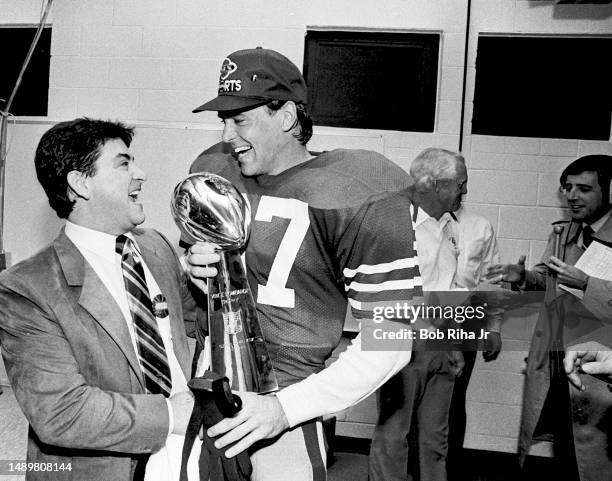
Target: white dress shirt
(437,250)
(477,248)
(454,253)
(98,249)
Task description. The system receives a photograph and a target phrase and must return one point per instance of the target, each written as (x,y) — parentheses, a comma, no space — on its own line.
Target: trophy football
(208,208)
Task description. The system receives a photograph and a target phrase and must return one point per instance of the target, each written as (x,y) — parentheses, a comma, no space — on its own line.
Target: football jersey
(336,228)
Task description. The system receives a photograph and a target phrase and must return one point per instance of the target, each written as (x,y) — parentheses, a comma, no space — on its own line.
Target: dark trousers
(457,419)
(419,396)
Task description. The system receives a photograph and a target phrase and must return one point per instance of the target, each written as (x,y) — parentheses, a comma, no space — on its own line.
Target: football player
(326,229)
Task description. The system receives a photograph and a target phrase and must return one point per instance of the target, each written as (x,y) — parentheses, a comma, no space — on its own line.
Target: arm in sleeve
(490,256)
(62,409)
(355,375)
(535,278)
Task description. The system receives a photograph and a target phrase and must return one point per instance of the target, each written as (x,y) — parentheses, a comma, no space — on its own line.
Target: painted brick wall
(155,60)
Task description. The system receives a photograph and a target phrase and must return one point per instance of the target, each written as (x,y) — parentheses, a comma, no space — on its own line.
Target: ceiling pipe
(4,116)
(465,69)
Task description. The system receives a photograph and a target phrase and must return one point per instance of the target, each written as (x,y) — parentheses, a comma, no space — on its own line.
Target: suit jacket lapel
(605,232)
(166,280)
(95,299)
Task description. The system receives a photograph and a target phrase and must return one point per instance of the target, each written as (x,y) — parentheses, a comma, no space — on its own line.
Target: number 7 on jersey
(275,292)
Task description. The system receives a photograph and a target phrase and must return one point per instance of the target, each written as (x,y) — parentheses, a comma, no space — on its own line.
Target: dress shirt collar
(458,214)
(95,241)
(598,224)
(423,217)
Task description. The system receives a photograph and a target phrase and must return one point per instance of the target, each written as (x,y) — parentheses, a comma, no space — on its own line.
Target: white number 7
(274,292)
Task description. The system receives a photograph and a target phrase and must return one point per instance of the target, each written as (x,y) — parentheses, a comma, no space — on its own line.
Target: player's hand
(589,358)
(492,346)
(568,275)
(507,272)
(198,260)
(261,417)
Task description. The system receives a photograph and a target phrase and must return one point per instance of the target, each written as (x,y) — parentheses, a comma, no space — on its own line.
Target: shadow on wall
(577,9)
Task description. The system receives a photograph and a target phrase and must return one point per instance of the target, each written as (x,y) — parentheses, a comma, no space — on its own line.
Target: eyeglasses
(460,185)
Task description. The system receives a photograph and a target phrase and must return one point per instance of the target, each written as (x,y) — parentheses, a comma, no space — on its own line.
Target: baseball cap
(253,77)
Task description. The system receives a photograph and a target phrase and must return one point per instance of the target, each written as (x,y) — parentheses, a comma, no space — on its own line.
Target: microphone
(558,230)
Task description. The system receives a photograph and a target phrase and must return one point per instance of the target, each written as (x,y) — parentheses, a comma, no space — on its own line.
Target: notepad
(595,262)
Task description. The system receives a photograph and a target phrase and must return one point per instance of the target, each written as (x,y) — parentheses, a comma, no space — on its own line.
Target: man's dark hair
(73,145)
(303,120)
(602,164)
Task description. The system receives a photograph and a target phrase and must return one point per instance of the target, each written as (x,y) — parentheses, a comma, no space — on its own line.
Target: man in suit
(579,421)
(92,326)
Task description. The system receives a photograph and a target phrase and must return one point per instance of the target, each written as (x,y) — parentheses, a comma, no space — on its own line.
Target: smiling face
(256,136)
(584,197)
(108,199)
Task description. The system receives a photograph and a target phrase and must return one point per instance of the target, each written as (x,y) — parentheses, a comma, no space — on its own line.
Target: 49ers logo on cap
(225,85)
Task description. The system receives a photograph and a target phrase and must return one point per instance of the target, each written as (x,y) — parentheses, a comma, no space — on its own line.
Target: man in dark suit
(579,421)
(92,326)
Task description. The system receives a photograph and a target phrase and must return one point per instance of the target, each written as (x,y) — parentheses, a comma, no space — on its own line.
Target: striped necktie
(151,352)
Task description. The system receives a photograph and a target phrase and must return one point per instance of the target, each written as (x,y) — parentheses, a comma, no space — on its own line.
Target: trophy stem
(231,319)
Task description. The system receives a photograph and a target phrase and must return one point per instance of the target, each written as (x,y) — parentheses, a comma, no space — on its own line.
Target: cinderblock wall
(152,61)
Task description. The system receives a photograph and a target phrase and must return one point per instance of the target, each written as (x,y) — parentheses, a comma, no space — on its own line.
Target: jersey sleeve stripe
(408,262)
(396,275)
(370,306)
(385,286)
(407,294)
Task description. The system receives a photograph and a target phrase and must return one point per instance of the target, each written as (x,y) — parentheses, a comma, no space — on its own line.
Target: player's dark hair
(602,164)
(73,145)
(303,120)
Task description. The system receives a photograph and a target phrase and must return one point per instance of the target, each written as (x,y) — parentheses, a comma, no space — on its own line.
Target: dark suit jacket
(580,321)
(72,365)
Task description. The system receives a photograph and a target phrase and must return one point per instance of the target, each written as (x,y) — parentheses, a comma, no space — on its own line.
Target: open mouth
(243,149)
(134,195)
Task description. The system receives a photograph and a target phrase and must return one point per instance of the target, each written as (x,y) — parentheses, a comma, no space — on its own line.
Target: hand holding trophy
(208,208)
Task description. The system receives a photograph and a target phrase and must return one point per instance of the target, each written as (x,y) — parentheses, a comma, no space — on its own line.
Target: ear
(77,185)
(289,116)
(435,185)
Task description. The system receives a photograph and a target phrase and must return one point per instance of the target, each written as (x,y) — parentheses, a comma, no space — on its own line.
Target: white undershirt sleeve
(352,377)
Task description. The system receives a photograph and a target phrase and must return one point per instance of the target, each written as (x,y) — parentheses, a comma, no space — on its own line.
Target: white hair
(434,164)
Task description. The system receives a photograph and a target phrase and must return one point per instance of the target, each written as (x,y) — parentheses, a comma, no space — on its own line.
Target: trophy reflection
(208,208)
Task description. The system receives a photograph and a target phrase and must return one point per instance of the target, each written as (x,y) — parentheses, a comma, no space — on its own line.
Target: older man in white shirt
(454,248)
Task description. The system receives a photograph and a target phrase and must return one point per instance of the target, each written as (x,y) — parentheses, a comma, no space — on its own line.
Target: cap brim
(229,102)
